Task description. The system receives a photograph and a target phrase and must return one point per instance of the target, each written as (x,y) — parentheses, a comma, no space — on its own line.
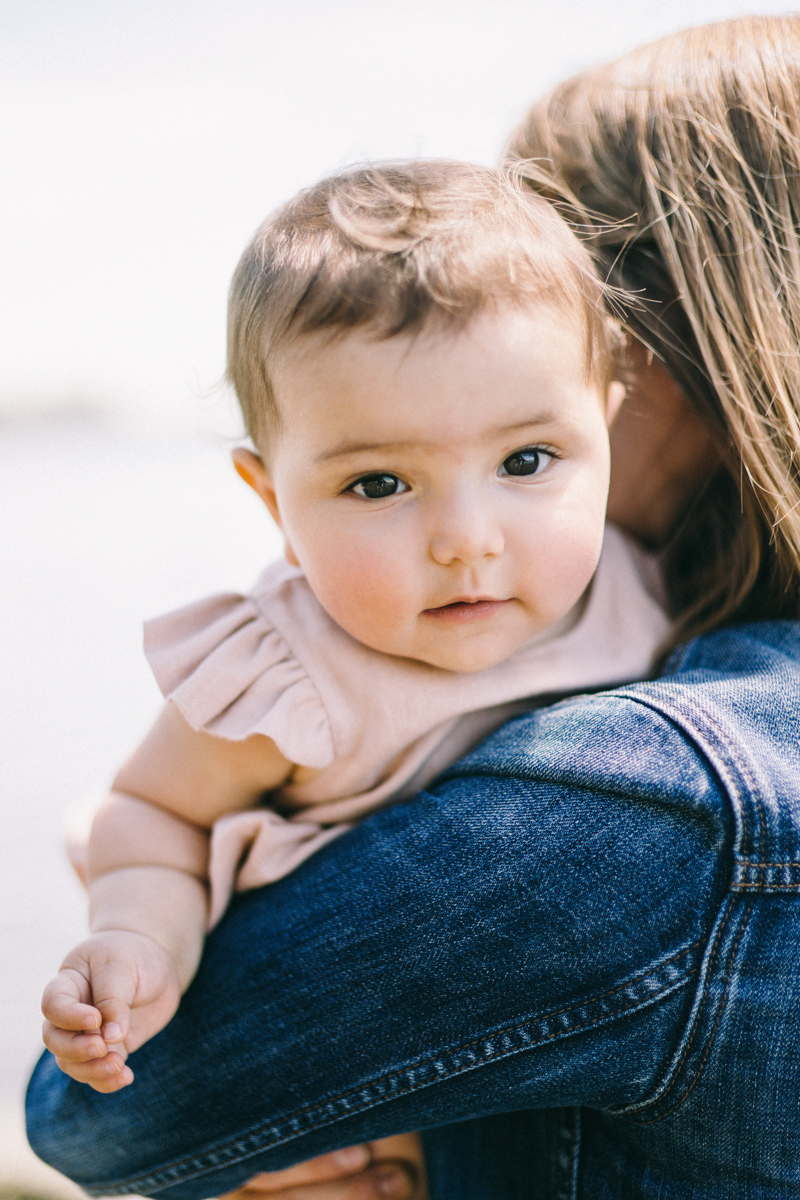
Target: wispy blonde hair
(680,166)
(392,249)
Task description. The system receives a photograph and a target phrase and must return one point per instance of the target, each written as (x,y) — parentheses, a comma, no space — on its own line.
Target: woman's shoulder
(743,650)
(735,694)
(717,733)
(737,688)
(743,680)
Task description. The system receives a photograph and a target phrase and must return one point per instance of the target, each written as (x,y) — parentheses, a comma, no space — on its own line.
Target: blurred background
(141,143)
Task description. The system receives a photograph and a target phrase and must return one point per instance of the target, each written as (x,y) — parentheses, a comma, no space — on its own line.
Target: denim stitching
(567,1156)
(743,765)
(573,1028)
(765,876)
(698,1073)
(674,1069)
(792,862)
(765,888)
(550,1016)
(153,1183)
(760,886)
(224,1154)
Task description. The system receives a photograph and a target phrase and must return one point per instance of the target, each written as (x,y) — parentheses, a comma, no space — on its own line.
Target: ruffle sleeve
(232,674)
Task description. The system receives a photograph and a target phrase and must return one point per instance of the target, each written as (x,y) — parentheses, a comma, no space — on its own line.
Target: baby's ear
(614,397)
(250,467)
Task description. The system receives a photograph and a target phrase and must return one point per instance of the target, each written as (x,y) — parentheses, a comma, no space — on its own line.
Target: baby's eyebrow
(345,449)
(541,418)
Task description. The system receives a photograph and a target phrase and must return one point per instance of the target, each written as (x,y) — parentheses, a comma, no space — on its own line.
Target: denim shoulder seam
(682,717)
(754,870)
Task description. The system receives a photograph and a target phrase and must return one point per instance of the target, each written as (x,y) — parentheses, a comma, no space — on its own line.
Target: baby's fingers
(65,1002)
(75,1047)
(106,964)
(108,1074)
(85,1058)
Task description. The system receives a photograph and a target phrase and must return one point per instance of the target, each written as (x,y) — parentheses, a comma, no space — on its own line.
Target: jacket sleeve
(526,935)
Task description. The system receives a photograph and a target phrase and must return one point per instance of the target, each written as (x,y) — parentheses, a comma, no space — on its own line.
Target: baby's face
(444,494)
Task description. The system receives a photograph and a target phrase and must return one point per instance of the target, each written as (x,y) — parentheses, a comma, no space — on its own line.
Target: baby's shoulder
(236,665)
(272,662)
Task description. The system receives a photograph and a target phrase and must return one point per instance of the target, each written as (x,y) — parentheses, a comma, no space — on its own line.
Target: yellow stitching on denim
(467,1046)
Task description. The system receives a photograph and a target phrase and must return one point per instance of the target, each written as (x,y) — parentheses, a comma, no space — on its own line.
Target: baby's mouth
(460,612)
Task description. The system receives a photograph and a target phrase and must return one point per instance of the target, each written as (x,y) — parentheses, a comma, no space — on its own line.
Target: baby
(422,358)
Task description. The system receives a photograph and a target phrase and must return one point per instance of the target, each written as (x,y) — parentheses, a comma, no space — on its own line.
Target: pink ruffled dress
(373,729)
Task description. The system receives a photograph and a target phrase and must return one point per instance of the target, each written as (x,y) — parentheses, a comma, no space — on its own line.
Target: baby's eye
(375,487)
(530,461)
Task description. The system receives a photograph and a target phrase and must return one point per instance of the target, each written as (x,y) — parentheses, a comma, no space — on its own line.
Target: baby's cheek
(365,588)
(558,560)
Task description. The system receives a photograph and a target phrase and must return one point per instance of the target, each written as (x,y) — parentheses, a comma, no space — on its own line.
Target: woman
(579,975)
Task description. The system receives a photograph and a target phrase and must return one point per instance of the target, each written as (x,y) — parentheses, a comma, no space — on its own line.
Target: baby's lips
(465,611)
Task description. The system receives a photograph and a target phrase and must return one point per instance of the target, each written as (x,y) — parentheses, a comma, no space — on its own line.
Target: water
(99,527)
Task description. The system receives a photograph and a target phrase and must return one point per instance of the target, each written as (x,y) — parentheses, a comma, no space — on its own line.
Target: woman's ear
(614,397)
(251,468)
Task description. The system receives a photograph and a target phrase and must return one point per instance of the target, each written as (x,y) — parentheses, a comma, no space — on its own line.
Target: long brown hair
(680,165)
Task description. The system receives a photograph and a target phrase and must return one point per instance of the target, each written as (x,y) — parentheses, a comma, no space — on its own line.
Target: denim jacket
(575,963)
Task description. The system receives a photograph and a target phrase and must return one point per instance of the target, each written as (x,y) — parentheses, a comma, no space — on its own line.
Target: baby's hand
(114,991)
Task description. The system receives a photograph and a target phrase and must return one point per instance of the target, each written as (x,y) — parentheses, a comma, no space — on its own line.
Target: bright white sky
(143,140)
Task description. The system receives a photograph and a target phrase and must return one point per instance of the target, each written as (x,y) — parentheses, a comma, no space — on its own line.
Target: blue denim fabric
(575,963)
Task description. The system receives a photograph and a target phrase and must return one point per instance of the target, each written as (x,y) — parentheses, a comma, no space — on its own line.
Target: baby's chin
(464,664)
(465,647)
(469,655)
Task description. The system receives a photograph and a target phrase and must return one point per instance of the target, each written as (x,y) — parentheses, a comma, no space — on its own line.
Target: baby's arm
(147,862)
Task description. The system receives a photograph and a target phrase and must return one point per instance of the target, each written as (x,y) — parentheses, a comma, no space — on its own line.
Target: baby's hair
(397,248)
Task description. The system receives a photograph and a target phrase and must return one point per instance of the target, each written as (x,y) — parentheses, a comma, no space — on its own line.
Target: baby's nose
(466,534)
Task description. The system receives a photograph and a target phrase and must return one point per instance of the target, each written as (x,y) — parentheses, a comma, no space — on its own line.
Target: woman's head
(680,163)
